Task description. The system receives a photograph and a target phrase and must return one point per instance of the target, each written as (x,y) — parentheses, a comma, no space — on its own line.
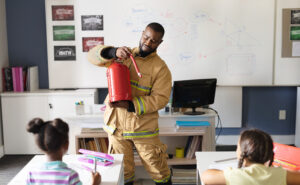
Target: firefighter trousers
(151,151)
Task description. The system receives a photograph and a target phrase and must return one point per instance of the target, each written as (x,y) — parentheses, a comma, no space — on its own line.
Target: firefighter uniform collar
(136,53)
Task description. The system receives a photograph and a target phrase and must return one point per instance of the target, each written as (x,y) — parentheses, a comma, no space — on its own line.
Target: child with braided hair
(255,155)
(52,137)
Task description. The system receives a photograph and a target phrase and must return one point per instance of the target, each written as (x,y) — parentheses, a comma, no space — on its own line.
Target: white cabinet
(19,108)
(62,105)
(16,113)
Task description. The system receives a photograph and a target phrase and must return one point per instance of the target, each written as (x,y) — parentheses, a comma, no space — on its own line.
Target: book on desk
(191,125)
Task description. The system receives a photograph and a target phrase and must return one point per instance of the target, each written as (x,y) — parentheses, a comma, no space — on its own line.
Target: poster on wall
(63,33)
(92,22)
(62,12)
(295,16)
(90,42)
(295,33)
(64,53)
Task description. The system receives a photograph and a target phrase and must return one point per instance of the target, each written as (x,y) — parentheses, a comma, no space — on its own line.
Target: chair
(286,156)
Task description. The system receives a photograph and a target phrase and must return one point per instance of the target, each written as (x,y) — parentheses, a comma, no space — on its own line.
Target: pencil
(95,165)
(223,160)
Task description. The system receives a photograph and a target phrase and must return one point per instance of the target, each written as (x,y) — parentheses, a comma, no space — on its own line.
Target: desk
(204,159)
(111,175)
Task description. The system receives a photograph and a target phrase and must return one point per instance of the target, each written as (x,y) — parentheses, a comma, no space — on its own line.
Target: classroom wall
(3,51)
(261,107)
(27,46)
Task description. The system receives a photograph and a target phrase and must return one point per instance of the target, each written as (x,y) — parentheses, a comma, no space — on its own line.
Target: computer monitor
(193,94)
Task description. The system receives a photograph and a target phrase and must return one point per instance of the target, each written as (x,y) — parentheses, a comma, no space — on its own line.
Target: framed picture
(92,22)
(64,53)
(295,16)
(63,33)
(90,42)
(295,33)
(62,12)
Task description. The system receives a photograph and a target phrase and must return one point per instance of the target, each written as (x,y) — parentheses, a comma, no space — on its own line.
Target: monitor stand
(194,112)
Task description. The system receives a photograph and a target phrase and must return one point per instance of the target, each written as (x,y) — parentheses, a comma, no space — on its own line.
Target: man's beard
(144,53)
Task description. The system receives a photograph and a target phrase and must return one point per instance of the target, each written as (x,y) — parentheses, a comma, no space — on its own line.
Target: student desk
(204,159)
(111,175)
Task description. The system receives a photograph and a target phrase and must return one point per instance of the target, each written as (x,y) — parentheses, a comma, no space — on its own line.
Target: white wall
(3,55)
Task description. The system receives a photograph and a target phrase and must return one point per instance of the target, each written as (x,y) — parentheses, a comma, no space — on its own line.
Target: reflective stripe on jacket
(150,93)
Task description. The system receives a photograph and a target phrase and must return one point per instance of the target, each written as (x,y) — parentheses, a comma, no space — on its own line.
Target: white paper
(223,166)
(296,49)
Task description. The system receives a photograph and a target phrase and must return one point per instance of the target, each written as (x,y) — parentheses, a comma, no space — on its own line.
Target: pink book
(91,161)
(14,77)
(20,79)
(97,154)
(17,73)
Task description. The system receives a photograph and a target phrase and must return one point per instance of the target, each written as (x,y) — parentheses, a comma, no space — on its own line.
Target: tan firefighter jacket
(149,94)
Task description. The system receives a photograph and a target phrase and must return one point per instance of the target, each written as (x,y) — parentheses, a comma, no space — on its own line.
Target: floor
(10,165)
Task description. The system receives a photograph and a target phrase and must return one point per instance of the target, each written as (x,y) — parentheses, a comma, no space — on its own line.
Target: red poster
(62,13)
(90,42)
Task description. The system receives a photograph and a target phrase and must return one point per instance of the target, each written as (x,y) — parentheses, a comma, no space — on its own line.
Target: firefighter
(134,124)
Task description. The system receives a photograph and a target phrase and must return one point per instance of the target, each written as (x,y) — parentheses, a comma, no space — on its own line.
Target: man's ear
(161,41)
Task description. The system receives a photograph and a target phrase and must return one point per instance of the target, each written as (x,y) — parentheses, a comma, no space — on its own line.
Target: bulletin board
(290,33)
(230,40)
(287,45)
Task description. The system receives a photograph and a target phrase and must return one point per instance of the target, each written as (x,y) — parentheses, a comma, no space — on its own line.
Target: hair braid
(242,158)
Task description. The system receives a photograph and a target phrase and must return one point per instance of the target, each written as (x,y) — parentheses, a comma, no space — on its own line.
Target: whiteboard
(229,40)
(287,70)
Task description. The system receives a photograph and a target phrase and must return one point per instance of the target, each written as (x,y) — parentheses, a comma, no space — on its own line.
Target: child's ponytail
(35,125)
(241,161)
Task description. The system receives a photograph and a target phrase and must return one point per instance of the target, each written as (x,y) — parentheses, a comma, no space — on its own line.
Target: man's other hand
(121,104)
(123,52)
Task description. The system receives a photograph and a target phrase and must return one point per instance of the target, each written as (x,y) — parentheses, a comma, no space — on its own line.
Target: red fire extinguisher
(118,78)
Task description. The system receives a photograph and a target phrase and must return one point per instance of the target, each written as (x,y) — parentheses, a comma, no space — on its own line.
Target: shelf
(170,136)
(173,132)
(208,113)
(174,161)
(162,132)
(92,135)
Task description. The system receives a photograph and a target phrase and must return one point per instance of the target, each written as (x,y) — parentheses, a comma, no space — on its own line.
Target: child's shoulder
(256,172)
(59,166)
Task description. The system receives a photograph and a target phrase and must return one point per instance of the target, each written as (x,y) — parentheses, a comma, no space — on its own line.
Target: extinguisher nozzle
(135,66)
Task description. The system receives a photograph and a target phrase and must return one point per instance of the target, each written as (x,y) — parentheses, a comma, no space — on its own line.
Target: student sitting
(255,155)
(52,137)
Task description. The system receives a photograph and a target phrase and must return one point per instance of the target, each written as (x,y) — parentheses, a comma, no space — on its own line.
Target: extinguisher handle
(135,66)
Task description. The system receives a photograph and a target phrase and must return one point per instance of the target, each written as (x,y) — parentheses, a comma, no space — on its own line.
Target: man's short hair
(157,28)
